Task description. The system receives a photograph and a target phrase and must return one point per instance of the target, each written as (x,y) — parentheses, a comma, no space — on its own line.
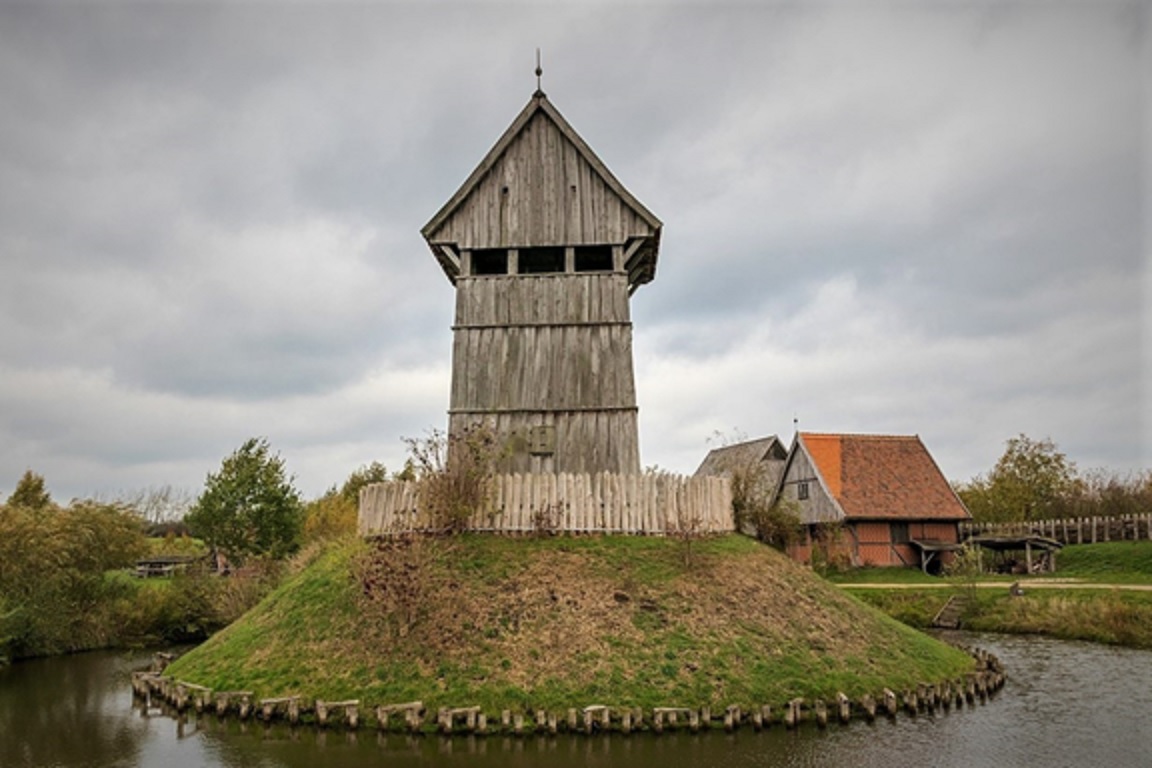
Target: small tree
(30,493)
(249,507)
(1032,480)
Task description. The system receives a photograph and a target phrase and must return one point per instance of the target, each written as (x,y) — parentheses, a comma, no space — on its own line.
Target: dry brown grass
(557,621)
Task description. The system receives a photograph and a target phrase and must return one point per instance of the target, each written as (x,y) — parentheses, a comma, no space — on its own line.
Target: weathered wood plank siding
(542,299)
(819,507)
(568,502)
(541,191)
(548,351)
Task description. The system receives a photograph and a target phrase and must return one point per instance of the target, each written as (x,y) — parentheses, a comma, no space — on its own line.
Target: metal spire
(539,72)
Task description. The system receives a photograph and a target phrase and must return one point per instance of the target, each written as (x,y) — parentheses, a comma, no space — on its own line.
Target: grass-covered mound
(564,622)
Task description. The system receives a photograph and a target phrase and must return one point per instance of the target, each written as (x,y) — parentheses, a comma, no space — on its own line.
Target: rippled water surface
(1065,704)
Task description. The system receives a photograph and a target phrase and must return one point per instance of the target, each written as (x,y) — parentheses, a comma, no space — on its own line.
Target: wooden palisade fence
(649,504)
(1075,530)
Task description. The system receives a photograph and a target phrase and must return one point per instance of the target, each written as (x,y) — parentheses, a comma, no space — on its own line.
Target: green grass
(882,576)
(1098,615)
(1115,562)
(566,622)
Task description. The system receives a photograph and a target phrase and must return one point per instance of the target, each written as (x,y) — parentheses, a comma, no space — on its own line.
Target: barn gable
(803,483)
(541,185)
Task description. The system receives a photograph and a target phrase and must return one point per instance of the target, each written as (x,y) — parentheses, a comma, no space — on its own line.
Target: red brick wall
(869,543)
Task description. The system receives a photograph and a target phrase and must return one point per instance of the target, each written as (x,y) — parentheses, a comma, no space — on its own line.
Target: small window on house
(593,258)
(540,261)
(900,533)
(802,490)
(490,261)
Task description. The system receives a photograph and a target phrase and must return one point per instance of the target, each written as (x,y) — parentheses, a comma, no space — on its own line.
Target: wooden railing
(649,504)
(1072,530)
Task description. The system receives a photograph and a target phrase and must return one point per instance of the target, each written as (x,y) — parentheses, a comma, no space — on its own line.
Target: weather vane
(539,72)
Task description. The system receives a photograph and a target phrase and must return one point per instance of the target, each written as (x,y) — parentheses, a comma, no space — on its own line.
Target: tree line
(1035,480)
(66,570)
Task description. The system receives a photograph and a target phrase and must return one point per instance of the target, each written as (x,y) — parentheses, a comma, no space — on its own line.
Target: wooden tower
(545,247)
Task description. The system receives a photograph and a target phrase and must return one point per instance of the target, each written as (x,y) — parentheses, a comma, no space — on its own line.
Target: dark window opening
(594,258)
(535,261)
(900,533)
(490,261)
(802,490)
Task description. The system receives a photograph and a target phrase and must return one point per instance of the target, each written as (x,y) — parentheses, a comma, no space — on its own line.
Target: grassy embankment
(564,622)
(1099,614)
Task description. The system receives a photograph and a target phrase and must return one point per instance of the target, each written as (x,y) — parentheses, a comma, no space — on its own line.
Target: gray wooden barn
(545,247)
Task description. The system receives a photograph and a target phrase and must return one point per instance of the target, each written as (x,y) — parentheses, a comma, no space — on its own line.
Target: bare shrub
(755,508)
(777,523)
(453,473)
(546,520)
(686,528)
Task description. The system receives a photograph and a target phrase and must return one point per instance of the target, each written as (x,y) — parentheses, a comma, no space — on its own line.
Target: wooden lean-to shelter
(545,246)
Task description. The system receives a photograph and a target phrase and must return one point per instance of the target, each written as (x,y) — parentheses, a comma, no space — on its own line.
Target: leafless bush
(453,473)
(546,520)
(686,528)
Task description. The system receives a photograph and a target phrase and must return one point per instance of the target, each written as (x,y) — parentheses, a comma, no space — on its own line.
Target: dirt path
(1025,585)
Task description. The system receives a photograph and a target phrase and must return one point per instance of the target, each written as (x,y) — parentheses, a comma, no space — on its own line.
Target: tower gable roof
(542,185)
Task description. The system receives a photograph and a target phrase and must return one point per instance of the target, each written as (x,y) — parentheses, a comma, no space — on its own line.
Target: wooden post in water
(794,713)
(890,703)
(821,713)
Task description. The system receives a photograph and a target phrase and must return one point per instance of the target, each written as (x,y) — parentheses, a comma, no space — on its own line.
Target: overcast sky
(878,217)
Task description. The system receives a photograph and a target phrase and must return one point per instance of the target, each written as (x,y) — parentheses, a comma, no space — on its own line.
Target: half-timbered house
(871,500)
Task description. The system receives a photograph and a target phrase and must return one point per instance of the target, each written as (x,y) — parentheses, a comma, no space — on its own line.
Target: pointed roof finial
(539,72)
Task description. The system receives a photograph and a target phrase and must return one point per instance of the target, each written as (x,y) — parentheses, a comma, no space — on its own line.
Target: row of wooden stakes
(591,719)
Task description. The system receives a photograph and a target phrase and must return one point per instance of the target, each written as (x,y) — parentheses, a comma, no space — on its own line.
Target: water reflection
(1065,704)
(62,703)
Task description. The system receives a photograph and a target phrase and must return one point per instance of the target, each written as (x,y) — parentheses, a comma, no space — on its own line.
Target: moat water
(1065,704)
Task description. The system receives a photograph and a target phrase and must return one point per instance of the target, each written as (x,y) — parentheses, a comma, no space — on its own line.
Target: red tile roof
(883,477)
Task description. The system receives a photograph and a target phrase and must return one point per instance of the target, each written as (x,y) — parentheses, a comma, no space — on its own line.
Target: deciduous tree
(30,493)
(249,507)
(1032,480)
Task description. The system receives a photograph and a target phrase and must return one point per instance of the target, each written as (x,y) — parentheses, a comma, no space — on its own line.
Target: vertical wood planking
(574,502)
